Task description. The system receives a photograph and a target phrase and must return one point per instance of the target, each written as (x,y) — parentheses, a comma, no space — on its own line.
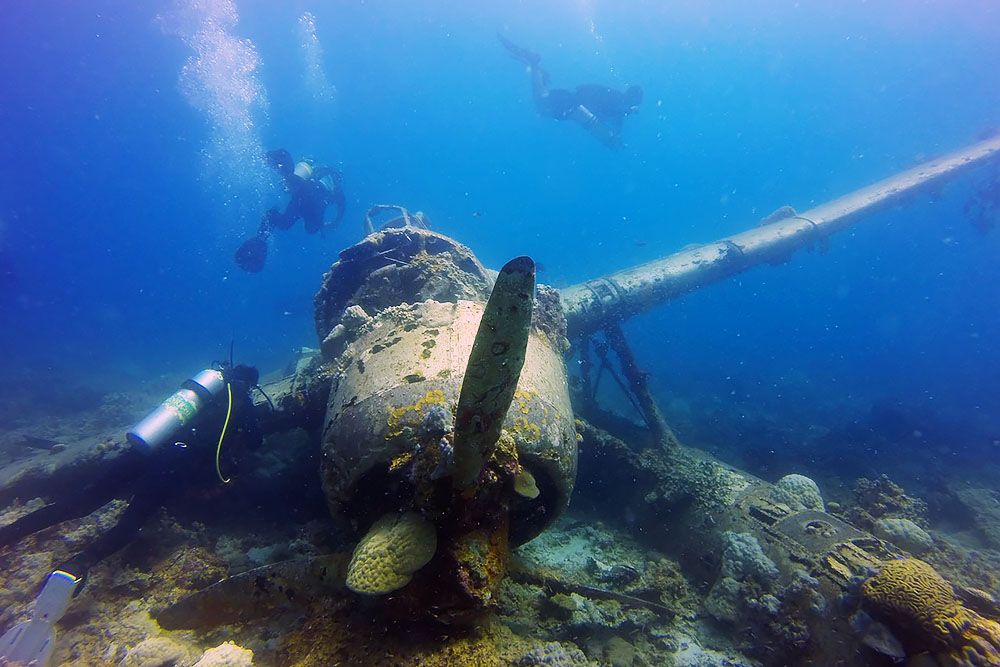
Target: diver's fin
(493,369)
(31,642)
(257,592)
(529,58)
(252,254)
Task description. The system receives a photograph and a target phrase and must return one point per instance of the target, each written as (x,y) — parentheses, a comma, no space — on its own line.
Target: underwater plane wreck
(449,433)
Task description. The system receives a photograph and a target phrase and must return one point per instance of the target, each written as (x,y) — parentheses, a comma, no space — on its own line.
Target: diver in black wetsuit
(598,109)
(148,479)
(311,188)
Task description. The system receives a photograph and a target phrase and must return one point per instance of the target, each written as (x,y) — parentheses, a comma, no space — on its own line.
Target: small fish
(539,267)
(477,214)
(287,313)
(639,243)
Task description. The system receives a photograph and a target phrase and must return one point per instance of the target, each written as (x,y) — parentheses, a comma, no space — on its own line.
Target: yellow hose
(222,436)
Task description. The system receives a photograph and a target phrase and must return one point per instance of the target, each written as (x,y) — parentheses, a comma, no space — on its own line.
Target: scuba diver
(598,109)
(172,451)
(311,189)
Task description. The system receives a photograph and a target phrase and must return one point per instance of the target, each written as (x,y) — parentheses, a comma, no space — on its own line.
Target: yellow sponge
(525,485)
(396,546)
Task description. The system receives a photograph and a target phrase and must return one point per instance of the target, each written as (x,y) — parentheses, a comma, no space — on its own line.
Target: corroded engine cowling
(395,363)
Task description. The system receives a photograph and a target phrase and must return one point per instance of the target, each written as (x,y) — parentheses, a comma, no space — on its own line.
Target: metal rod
(591,305)
(637,380)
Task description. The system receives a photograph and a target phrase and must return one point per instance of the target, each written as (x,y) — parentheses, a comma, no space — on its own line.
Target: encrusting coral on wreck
(746,579)
(881,497)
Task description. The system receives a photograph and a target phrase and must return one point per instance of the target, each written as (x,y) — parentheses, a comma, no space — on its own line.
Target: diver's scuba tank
(308,171)
(304,170)
(160,425)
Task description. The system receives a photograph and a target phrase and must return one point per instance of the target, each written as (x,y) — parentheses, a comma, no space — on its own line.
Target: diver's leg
(540,90)
(313,219)
(275,219)
(539,77)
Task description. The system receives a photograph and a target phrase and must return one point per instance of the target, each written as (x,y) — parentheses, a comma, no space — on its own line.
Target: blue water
(122,200)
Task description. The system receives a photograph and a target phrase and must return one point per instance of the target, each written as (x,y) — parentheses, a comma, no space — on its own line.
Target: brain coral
(396,546)
(798,491)
(921,608)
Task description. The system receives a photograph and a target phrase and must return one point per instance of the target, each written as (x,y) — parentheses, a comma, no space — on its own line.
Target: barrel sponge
(920,606)
(396,546)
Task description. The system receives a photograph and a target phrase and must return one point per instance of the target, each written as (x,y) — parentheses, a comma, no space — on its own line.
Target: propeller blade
(493,369)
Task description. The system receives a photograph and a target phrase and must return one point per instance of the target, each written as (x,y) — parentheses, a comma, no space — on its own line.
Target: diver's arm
(588,121)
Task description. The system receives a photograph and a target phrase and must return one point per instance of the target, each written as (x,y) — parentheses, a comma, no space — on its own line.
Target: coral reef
(226,655)
(588,583)
(619,652)
(798,492)
(690,653)
(976,568)
(157,652)
(333,635)
(395,547)
(553,654)
(770,614)
(984,507)
(742,559)
(904,533)
(881,497)
(548,317)
(369,276)
(920,607)
(354,318)
(582,616)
